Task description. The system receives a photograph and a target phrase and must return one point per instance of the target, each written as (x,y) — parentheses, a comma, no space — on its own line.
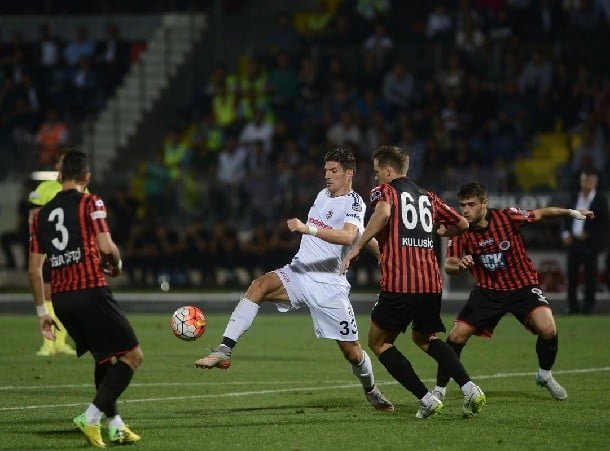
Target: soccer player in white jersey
(312,279)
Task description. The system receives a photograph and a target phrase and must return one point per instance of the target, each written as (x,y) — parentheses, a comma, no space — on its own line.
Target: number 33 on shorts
(347,327)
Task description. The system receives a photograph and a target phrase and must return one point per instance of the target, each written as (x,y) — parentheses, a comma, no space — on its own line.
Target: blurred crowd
(49,88)
(464,85)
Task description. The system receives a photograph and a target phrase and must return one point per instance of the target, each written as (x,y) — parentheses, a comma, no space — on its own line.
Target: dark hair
(474,189)
(395,157)
(343,156)
(75,166)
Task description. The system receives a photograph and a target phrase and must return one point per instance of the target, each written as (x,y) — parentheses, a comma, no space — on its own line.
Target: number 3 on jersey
(411,216)
(62,242)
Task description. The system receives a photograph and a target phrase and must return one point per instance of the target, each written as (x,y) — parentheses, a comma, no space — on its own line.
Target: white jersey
(320,259)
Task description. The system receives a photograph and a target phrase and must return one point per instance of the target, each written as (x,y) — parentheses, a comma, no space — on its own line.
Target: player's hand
(113,270)
(466,262)
(588,214)
(296,225)
(350,258)
(46,327)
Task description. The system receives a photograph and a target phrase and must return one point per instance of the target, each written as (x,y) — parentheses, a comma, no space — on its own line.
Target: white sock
(364,371)
(427,399)
(241,319)
(116,422)
(545,375)
(93,415)
(468,387)
(438,388)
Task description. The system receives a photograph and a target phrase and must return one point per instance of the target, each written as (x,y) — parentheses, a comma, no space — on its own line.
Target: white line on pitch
(289,390)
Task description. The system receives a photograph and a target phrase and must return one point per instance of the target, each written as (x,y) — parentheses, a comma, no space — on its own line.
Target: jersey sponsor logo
(66,258)
(356,206)
(505,245)
(329,214)
(99,203)
(418,242)
(98,215)
(318,223)
(352,215)
(486,242)
(493,262)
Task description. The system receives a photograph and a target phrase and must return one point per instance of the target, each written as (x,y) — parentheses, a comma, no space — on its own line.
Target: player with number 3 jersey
(404,221)
(507,282)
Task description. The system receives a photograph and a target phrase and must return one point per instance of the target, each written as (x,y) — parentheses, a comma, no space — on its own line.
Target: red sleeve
(381,193)
(454,247)
(519,216)
(96,214)
(443,213)
(35,247)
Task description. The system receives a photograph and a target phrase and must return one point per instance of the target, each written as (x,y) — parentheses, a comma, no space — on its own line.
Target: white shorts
(328,304)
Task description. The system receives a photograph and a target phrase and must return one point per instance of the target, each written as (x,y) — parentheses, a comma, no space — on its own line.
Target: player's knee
(353,354)
(257,289)
(547,331)
(134,358)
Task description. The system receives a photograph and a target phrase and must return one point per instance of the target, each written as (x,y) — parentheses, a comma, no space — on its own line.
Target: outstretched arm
(557,212)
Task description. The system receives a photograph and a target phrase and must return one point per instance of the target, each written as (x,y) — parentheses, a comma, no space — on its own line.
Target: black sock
(116,381)
(98,375)
(442,376)
(401,369)
(547,351)
(446,359)
(228,342)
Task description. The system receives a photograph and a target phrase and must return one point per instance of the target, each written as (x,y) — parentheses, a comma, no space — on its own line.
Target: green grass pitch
(286,390)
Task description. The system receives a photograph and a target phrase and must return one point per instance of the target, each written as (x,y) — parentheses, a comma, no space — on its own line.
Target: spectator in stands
(224,105)
(86,83)
(81,47)
(52,134)
(439,23)
(157,183)
(373,10)
(48,51)
(380,45)
(536,76)
(283,82)
(225,251)
(122,210)
(398,87)
(284,38)
(257,130)
(176,154)
(344,131)
(112,56)
(230,177)
(591,155)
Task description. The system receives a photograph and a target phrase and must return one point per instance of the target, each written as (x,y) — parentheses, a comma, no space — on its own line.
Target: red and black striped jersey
(408,260)
(65,230)
(501,262)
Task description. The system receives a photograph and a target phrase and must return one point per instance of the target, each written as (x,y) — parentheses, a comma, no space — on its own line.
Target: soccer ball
(188,323)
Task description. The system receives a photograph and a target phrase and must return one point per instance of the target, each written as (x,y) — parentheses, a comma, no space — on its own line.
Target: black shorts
(95,322)
(46,272)
(394,312)
(485,308)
